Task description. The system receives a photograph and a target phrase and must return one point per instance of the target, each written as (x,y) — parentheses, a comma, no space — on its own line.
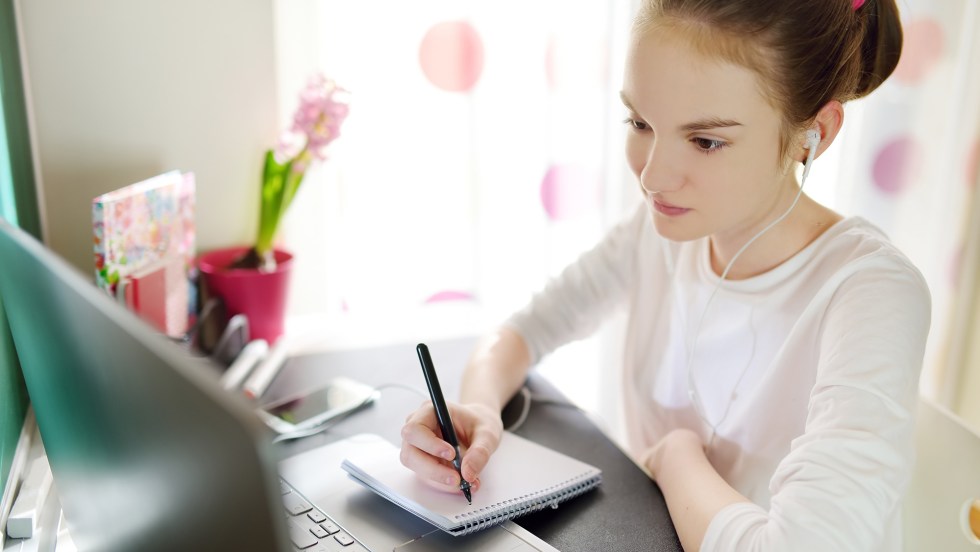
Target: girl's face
(703,141)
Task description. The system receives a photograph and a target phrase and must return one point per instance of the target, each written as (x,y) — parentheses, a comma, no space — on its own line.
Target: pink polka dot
(922,48)
(568,191)
(451,56)
(896,165)
(449,295)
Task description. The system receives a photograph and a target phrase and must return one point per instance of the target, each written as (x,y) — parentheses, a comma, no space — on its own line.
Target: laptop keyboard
(311,530)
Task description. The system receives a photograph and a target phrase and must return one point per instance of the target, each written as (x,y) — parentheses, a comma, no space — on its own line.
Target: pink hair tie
(856,4)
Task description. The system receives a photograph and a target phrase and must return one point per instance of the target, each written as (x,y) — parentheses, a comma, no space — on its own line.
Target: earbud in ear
(812,139)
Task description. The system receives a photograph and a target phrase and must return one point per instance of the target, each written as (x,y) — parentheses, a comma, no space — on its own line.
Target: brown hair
(806,52)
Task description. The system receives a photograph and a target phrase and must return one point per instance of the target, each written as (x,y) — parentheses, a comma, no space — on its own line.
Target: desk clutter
(144,256)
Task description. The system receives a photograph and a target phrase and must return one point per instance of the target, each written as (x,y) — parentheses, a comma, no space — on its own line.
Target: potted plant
(252,280)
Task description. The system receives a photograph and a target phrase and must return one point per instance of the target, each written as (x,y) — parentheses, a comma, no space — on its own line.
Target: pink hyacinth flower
(288,146)
(323,108)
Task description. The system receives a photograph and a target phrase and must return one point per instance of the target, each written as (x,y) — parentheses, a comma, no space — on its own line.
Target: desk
(627,512)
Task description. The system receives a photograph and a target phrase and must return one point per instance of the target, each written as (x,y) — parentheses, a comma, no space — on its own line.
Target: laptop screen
(147,451)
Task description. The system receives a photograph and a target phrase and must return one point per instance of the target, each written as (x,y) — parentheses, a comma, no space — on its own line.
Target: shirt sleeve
(844,478)
(572,305)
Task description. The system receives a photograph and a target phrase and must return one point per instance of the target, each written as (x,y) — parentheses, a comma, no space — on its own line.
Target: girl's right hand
(478,430)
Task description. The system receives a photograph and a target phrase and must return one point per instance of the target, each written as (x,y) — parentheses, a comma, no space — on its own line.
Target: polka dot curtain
(475,159)
(908,157)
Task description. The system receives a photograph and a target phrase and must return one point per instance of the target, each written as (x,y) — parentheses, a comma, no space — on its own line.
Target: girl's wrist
(677,448)
(484,401)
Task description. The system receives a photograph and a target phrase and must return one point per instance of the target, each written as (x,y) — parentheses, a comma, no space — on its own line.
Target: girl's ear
(828,120)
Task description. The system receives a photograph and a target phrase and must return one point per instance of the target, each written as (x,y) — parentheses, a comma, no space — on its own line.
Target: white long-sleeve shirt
(808,373)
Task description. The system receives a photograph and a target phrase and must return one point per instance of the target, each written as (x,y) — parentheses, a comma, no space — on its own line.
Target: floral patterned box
(142,224)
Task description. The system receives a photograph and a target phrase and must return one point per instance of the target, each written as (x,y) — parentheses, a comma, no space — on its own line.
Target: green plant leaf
(274,185)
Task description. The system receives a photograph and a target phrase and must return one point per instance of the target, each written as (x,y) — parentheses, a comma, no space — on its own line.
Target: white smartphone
(312,408)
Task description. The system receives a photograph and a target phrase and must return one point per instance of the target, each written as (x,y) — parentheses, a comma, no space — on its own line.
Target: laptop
(149,452)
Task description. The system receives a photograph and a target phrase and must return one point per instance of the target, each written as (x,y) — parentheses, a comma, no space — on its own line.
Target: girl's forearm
(694,491)
(496,370)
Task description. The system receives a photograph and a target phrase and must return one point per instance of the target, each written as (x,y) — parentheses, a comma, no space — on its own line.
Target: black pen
(442,414)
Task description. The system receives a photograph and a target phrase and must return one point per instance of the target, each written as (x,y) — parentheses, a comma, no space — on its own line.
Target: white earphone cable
(813,140)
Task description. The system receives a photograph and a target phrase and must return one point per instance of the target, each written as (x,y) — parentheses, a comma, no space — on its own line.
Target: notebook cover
(522,477)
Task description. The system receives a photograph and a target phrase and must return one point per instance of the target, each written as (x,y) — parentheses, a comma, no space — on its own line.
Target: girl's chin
(677,230)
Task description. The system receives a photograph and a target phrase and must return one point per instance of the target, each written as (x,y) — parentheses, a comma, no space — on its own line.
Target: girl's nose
(658,174)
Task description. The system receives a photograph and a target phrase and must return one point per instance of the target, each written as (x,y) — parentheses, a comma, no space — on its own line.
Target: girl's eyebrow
(706,123)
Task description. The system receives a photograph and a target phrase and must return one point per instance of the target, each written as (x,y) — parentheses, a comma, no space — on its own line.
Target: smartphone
(309,409)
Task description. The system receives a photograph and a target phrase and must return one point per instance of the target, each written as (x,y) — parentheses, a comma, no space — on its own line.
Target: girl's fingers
(482,445)
(421,430)
(436,473)
(425,452)
(474,461)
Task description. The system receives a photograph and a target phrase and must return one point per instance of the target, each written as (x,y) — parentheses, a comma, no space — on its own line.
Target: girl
(773,346)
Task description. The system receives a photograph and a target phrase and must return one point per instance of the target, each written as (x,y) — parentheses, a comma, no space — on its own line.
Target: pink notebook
(158,293)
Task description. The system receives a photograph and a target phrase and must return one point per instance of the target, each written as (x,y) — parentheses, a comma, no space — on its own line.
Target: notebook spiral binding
(496,514)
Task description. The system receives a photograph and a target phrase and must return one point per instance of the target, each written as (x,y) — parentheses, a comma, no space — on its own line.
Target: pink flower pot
(260,296)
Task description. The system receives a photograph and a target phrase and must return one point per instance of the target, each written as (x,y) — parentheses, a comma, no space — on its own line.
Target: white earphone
(812,138)
(811,144)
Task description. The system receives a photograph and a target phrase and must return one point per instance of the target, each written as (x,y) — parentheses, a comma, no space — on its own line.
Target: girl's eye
(636,125)
(708,145)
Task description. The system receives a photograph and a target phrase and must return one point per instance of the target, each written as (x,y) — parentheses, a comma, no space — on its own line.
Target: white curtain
(482,154)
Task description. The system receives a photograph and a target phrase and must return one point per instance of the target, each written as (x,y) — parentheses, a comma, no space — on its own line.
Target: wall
(119,91)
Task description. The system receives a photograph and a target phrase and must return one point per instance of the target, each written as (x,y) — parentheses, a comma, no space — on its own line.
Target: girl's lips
(668,209)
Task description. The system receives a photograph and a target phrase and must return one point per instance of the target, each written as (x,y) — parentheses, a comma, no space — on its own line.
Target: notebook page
(520,470)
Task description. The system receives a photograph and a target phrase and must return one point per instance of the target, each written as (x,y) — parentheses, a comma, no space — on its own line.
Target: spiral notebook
(522,477)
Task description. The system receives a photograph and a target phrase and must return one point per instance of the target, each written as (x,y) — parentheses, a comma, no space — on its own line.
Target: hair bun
(881,46)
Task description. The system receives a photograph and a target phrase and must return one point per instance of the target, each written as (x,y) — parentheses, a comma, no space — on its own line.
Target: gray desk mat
(627,512)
